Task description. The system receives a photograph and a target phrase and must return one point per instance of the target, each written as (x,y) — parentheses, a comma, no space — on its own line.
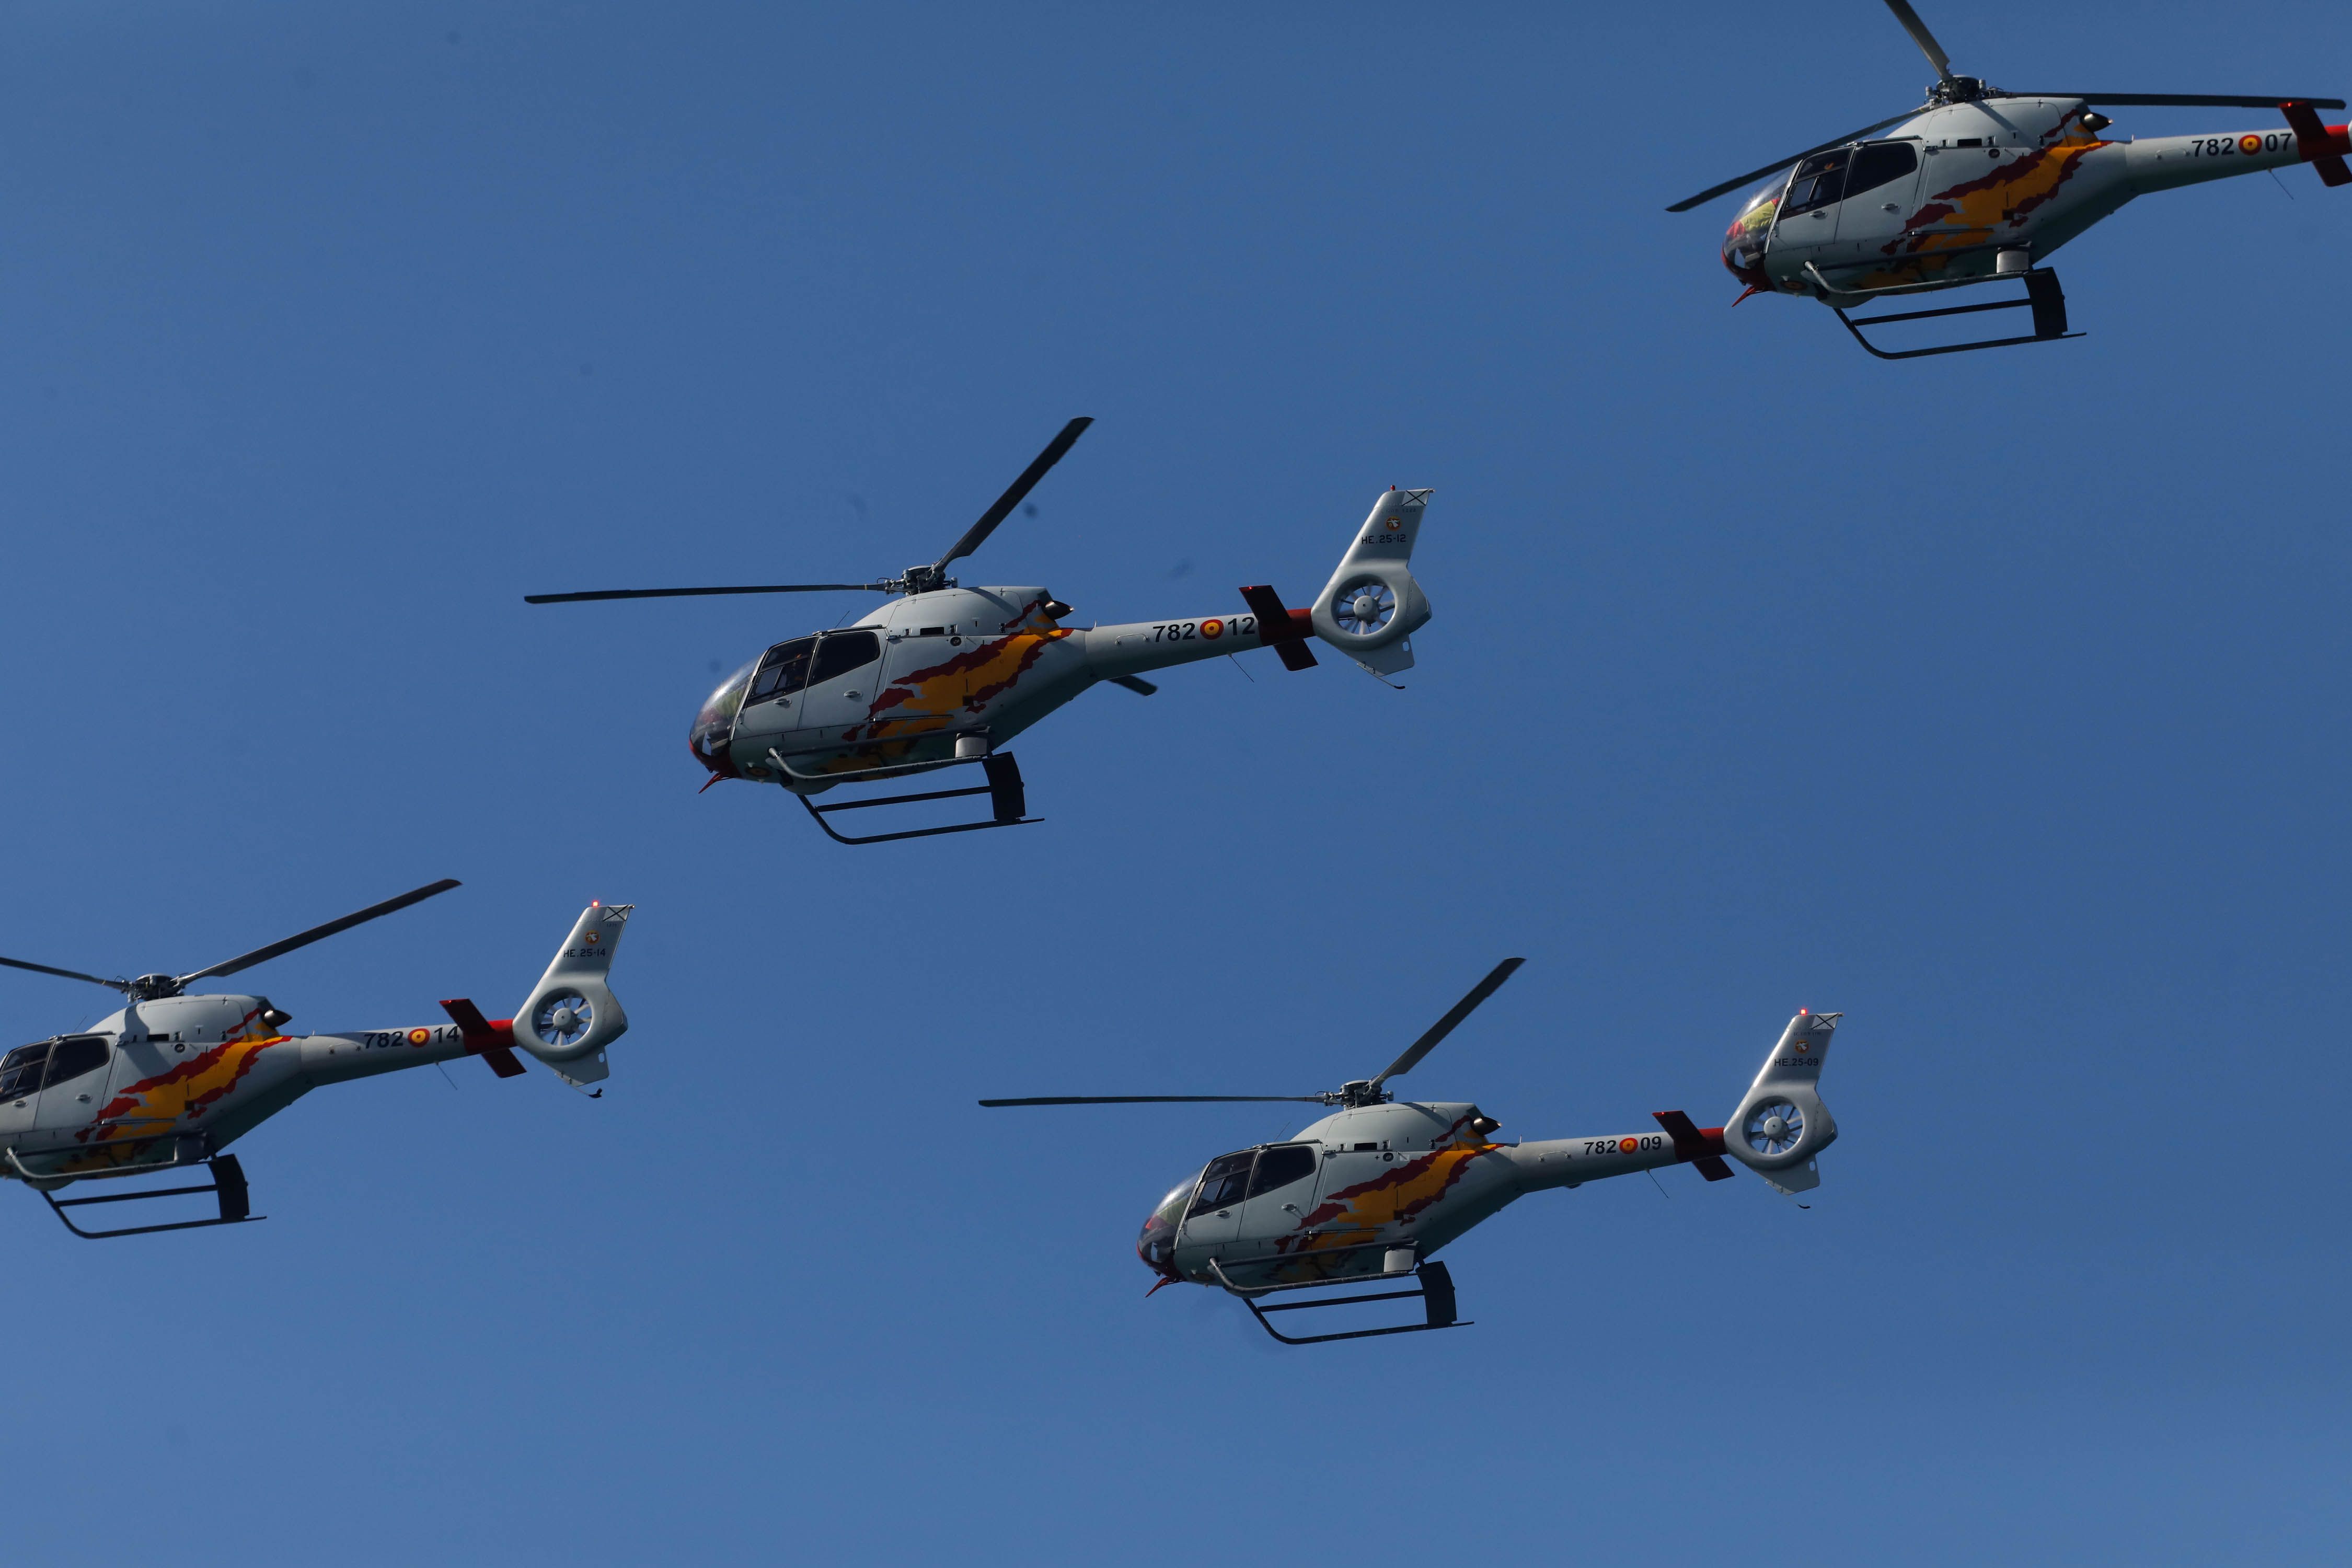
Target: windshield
(716,722)
(1743,242)
(1157,1245)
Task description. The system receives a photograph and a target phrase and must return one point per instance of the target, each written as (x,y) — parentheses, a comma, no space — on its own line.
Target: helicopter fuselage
(1334,1201)
(207,1069)
(929,678)
(1968,191)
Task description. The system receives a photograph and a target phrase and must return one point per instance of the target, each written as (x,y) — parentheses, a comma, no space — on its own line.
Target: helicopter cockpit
(781,673)
(1814,191)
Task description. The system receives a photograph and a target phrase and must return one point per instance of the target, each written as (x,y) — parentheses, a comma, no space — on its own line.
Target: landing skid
(228,1181)
(2042,296)
(1008,801)
(1436,1292)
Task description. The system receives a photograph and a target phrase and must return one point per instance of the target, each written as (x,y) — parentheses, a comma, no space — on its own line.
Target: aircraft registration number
(2231,146)
(387,1040)
(1203,631)
(1624,1145)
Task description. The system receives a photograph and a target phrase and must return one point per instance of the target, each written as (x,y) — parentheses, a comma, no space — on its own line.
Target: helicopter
(1980,185)
(945,675)
(1368,1194)
(172,1079)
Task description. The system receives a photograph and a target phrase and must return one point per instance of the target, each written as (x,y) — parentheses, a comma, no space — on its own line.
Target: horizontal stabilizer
(1284,630)
(1702,1147)
(2322,146)
(491,1042)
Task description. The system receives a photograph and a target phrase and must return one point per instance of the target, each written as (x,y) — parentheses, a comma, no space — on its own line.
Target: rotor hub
(152,987)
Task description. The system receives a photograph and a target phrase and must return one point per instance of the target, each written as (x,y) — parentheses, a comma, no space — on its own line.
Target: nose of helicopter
(714,724)
(1157,1245)
(1744,241)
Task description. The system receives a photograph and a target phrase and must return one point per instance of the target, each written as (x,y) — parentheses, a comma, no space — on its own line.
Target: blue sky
(1997,702)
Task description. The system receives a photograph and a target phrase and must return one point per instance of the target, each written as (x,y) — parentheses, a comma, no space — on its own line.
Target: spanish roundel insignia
(593,936)
(1213,629)
(2250,144)
(1627,1145)
(418,1036)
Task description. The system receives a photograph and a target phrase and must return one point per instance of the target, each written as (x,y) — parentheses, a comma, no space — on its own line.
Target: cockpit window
(1880,163)
(1281,1165)
(783,670)
(1819,180)
(842,652)
(1222,1184)
(76,1055)
(20,1069)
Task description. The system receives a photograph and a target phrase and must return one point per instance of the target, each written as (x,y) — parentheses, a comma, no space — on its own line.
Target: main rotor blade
(978,531)
(316,933)
(66,973)
(1445,1025)
(2176,100)
(692,593)
(1156,1100)
(1713,191)
(1921,36)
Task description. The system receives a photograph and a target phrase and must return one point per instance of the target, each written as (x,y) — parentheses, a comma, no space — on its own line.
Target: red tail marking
(1284,631)
(1703,1147)
(2321,146)
(493,1042)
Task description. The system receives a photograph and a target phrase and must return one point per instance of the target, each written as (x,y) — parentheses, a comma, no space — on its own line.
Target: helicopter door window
(783,671)
(1880,163)
(842,652)
(72,1058)
(1819,182)
(1281,1165)
(1223,1182)
(20,1069)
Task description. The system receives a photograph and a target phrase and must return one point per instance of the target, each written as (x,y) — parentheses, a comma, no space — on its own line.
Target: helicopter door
(20,1086)
(771,701)
(1808,224)
(74,1088)
(1281,1193)
(1215,1217)
(1882,189)
(841,682)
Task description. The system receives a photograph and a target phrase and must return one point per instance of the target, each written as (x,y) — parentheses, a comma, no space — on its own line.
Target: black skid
(228,1182)
(1008,802)
(2042,296)
(1434,1286)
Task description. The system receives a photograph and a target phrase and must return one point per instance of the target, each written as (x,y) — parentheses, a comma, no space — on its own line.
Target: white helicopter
(945,675)
(1980,185)
(1370,1194)
(172,1079)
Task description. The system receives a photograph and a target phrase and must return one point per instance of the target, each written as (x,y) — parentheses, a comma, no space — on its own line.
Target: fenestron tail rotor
(1362,1091)
(147,987)
(915,580)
